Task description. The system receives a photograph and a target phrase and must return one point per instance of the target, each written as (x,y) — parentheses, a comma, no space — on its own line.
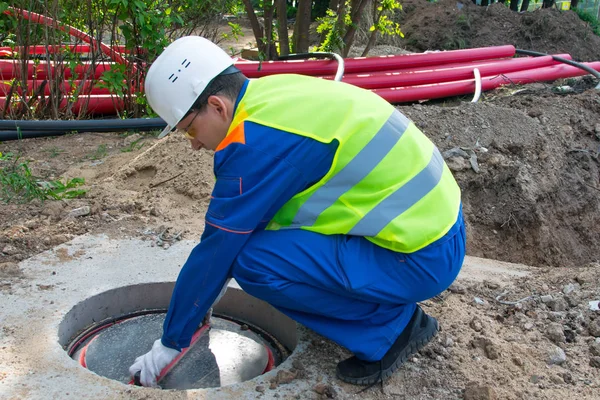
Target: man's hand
(150,364)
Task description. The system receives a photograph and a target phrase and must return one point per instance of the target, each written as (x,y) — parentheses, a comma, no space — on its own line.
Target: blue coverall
(346,288)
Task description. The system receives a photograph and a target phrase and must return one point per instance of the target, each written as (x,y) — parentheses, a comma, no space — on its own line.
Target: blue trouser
(346,288)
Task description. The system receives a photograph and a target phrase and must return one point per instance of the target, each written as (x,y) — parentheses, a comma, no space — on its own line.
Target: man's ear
(217,104)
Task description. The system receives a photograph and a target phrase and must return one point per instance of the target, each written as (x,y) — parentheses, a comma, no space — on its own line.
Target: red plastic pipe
(10,69)
(372,64)
(93,104)
(449,89)
(411,77)
(89,87)
(40,19)
(443,74)
(73,48)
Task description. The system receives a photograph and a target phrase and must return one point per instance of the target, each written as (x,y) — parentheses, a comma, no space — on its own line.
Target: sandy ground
(528,169)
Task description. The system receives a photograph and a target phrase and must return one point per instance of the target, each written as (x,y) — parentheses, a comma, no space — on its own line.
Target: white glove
(151,363)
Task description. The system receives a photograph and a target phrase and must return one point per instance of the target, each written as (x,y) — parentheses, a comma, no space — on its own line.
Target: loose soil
(452,24)
(526,159)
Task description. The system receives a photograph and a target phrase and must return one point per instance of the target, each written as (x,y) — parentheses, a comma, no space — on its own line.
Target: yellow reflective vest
(388,182)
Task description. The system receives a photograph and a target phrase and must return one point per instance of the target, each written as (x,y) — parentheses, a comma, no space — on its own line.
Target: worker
(329,204)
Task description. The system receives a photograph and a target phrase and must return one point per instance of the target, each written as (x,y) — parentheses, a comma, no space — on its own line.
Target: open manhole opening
(246,337)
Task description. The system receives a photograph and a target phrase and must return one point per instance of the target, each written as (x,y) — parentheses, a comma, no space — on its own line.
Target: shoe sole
(412,348)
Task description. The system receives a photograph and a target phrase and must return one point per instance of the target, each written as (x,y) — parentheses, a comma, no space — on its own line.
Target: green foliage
(7,25)
(18,184)
(385,25)
(54,152)
(135,145)
(236,31)
(6,156)
(144,27)
(588,17)
(58,190)
(144,22)
(332,31)
(100,153)
(114,80)
(463,21)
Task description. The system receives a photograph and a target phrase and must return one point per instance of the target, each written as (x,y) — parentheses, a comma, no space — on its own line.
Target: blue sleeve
(254,179)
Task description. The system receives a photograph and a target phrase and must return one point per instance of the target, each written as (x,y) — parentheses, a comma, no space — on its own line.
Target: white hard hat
(180,75)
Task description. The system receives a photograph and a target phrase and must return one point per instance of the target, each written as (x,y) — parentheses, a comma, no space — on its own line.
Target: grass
(590,19)
(100,152)
(18,184)
(54,151)
(132,146)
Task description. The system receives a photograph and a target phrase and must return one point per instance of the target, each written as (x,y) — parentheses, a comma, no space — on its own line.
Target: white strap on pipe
(477,85)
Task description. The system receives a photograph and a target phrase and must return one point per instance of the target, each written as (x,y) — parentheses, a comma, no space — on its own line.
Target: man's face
(207,128)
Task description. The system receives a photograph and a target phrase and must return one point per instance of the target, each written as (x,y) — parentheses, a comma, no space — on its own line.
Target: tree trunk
(376,17)
(270,49)
(256,28)
(341,12)
(370,44)
(284,39)
(358,7)
(302,26)
(547,3)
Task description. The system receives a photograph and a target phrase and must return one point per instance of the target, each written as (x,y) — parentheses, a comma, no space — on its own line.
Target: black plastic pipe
(14,135)
(563,60)
(17,129)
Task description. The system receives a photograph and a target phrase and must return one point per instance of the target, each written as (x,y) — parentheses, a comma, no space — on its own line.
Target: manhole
(237,347)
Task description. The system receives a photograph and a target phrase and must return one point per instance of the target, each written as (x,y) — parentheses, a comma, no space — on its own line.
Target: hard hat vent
(173,78)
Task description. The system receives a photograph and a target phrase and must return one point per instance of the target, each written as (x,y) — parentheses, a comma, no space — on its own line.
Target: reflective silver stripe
(402,199)
(354,172)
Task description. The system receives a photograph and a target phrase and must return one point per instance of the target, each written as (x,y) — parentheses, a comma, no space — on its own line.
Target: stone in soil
(595,348)
(555,333)
(556,356)
(594,328)
(476,324)
(325,390)
(479,392)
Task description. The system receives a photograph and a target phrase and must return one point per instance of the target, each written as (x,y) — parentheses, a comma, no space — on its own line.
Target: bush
(590,19)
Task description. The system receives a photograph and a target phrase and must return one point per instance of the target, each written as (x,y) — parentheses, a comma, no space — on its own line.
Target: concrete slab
(33,365)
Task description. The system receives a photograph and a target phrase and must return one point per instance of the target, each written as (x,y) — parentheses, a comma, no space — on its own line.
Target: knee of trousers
(248,274)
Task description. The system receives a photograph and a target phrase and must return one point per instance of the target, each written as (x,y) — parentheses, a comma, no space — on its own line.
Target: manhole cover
(229,352)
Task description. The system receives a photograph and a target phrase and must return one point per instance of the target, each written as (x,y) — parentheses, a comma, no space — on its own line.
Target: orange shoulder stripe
(235,136)
(228,230)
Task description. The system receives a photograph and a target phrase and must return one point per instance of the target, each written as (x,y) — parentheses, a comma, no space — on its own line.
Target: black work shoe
(419,331)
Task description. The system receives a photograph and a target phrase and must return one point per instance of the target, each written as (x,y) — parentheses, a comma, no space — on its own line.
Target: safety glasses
(188,131)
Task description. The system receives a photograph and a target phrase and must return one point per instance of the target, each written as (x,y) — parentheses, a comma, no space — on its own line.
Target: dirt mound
(452,24)
(535,196)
